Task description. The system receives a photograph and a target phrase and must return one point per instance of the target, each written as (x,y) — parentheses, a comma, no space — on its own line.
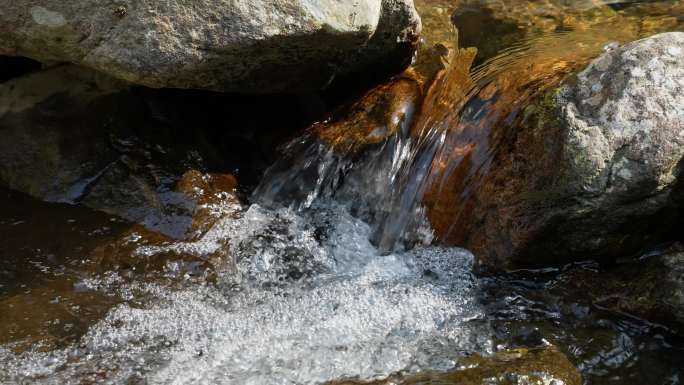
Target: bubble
(311,301)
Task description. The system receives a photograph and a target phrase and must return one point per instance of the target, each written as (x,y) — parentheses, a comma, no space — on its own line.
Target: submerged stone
(56,260)
(494,26)
(651,288)
(522,366)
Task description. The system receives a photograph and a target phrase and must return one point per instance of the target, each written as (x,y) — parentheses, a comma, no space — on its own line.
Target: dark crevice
(15,66)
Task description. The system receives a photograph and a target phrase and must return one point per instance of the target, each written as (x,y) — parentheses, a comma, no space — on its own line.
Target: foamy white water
(311,301)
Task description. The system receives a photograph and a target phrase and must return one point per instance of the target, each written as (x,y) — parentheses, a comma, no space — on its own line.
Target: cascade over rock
(593,168)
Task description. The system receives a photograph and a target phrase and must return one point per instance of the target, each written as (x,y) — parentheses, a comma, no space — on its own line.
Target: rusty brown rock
(376,116)
(573,179)
(210,193)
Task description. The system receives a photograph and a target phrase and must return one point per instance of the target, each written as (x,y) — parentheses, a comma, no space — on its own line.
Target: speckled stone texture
(595,170)
(225,45)
(674,283)
(621,146)
(625,119)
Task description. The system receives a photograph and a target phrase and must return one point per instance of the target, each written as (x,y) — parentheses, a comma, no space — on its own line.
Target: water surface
(338,279)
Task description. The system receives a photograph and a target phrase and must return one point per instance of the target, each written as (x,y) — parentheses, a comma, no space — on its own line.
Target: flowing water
(329,273)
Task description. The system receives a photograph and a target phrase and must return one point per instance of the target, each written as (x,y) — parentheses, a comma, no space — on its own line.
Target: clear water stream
(329,273)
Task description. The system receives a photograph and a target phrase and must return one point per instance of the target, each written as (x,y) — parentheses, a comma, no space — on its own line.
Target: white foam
(300,311)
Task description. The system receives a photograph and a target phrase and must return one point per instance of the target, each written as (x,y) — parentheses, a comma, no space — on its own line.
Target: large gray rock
(619,180)
(594,170)
(225,45)
(625,121)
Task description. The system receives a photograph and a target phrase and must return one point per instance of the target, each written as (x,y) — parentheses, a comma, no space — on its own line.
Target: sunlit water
(310,300)
(318,279)
(441,153)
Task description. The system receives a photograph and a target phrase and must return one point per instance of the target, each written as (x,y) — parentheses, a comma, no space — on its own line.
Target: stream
(329,270)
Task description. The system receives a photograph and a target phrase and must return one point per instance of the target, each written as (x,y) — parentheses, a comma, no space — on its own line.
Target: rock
(141,161)
(210,193)
(62,266)
(592,170)
(650,288)
(44,120)
(180,208)
(246,46)
(315,164)
(625,120)
(378,115)
(511,367)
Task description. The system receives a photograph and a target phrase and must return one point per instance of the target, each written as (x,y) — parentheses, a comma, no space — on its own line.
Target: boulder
(592,170)
(76,136)
(238,45)
(45,118)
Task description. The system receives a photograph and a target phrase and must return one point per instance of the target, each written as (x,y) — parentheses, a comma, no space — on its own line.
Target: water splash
(312,300)
(433,164)
(304,295)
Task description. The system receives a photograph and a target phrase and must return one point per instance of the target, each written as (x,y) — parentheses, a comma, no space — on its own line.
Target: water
(309,300)
(330,272)
(609,347)
(433,162)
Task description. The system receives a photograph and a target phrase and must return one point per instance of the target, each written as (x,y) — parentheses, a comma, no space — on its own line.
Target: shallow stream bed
(299,293)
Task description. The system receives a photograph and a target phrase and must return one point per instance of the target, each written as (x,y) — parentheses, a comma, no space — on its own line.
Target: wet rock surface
(324,156)
(73,135)
(594,169)
(47,285)
(514,367)
(575,308)
(247,46)
(650,288)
